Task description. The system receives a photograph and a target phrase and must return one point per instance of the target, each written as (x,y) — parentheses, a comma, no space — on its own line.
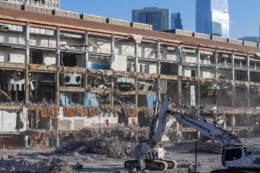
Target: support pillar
(86,49)
(58,54)
(198,63)
(136,58)
(216,65)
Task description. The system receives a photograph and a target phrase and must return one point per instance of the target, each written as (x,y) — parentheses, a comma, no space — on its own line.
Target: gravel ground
(47,160)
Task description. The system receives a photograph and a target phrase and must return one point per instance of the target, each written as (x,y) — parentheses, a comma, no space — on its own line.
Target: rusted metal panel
(72,89)
(75,111)
(5,65)
(47,112)
(37,67)
(93,111)
(131,112)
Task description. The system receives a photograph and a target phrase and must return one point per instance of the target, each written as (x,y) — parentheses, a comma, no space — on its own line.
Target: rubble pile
(130,134)
(109,147)
(18,165)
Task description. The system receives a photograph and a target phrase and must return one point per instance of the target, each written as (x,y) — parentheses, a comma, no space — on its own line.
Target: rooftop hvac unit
(72,79)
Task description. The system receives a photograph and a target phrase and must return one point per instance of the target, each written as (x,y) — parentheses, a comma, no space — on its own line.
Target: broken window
(224,59)
(188,72)
(190,55)
(127,101)
(72,59)
(224,74)
(42,57)
(240,75)
(172,89)
(169,53)
(101,62)
(99,81)
(208,95)
(124,84)
(240,61)
(169,68)
(42,88)
(189,94)
(207,73)
(241,97)
(207,57)
(12,86)
(147,50)
(224,95)
(72,41)
(254,96)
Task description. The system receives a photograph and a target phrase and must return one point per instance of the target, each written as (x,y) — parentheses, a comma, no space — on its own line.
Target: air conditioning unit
(72,79)
(145,87)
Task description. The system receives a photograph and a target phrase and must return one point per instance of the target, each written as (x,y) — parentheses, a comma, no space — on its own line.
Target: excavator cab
(232,153)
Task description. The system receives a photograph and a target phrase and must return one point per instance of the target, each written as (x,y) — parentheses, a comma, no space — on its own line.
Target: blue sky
(244,14)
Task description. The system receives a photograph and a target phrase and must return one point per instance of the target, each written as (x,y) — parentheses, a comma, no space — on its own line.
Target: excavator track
(156,165)
(152,165)
(172,164)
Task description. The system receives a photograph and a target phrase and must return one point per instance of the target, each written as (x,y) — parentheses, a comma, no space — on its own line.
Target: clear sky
(244,14)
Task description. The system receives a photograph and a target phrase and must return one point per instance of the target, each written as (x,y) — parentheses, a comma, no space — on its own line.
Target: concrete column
(233,66)
(198,63)
(57,79)
(112,48)
(179,59)
(233,121)
(249,80)
(136,58)
(198,94)
(27,41)
(27,85)
(86,49)
(248,68)
(216,65)
(58,60)
(159,57)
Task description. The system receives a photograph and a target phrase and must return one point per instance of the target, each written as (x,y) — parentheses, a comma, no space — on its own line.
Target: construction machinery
(236,157)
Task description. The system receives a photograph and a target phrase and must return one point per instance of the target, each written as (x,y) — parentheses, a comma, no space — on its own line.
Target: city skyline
(212,17)
(158,17)
(240,26)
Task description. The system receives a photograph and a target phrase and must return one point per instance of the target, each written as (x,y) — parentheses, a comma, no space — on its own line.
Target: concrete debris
(109,147)
(18,165)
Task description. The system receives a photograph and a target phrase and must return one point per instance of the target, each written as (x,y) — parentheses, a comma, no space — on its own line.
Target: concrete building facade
(62,71)
(157,17)
(52,4)
(212,17)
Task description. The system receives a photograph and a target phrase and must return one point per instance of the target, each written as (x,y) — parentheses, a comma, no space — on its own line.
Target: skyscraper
(159,18)
(53,4)
(176,21)
(212,17)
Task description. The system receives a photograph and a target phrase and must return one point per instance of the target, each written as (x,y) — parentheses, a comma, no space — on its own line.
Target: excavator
(236,157)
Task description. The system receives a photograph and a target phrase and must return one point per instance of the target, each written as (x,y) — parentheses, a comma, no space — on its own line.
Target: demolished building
(62,71)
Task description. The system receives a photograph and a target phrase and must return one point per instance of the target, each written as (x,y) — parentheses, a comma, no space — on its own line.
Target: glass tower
(176,21)
(159,18)
(212,17)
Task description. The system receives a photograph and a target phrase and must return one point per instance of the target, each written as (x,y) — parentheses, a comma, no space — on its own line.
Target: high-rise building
(176,21)
(159,18)
(212,17)
(53,4)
